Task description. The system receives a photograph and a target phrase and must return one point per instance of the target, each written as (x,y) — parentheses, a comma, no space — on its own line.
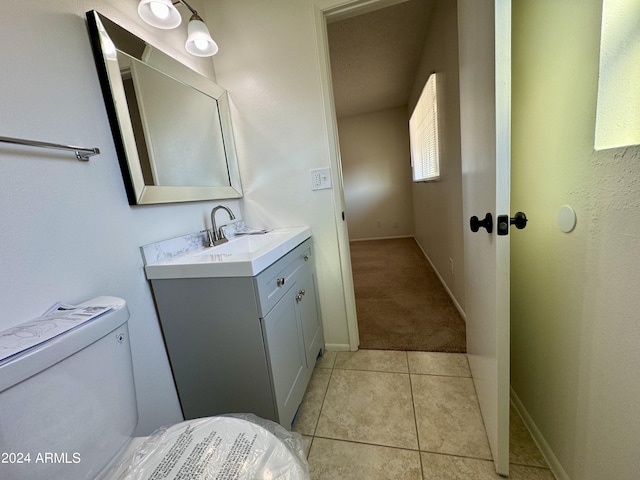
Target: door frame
(322,17)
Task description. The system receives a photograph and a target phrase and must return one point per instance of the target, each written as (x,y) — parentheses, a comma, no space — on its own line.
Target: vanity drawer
(275,281)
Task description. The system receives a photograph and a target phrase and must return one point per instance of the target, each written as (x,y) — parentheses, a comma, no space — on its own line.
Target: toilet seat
(221,448)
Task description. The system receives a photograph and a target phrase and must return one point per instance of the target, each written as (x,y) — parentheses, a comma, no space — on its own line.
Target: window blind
(423,134)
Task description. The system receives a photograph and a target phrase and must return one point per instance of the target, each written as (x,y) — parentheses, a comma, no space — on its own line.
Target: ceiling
(374,56)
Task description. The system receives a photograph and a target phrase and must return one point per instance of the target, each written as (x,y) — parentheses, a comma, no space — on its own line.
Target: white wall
(374,148)
(68,232)
(575,296)
(437,206)
(269,63)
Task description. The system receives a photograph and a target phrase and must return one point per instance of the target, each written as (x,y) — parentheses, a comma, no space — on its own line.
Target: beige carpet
(400,302)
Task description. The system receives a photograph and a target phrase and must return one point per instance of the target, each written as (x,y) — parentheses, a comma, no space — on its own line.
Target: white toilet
(68,410)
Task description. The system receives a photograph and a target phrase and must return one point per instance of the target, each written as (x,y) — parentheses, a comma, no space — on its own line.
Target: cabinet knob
(306,258)
(298,298)
(301,292)
(280,282)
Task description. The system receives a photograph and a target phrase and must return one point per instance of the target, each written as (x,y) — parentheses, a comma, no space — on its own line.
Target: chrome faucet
(218,233)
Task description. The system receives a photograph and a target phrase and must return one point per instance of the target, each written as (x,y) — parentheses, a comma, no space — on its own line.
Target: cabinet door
(309,317)
(286,356)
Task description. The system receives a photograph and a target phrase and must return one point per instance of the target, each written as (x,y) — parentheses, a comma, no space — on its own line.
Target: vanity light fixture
(164,14)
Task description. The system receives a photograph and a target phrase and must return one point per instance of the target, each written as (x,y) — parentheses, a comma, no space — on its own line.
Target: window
(618,107)
(423,134)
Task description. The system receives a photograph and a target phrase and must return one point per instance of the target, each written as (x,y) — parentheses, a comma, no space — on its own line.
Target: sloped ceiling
(374,57)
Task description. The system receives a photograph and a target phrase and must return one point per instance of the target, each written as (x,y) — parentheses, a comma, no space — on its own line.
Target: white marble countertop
(241,256)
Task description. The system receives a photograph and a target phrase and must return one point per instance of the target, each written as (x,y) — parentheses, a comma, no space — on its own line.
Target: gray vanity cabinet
(243,344)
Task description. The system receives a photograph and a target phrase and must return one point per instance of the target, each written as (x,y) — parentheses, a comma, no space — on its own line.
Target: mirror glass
(171,125)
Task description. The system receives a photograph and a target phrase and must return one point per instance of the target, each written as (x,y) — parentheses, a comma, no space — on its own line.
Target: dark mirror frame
(101,29)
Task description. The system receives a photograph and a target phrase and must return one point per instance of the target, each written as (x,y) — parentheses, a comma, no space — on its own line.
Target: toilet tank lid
(40,357)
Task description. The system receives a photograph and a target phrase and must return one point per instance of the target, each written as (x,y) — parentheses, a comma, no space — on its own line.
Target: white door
(484,35)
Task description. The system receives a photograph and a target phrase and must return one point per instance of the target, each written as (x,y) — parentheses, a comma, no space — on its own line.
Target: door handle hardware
(519,221)
(486,222)
(280,282)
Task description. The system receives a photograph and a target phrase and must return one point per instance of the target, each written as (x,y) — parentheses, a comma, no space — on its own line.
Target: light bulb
(159,13)
(160,10)
(199,41)
(201,44)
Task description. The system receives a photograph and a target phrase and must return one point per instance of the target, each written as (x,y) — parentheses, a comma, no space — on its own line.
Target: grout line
(415,419)
(457,455)
(367,370)
(529,466)
(313,438)
(449,375)
(326,390)
(368,443)
(440,375)
(486,435)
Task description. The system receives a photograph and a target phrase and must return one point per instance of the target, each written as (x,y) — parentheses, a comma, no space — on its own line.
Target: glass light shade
(199,41)
(159,13)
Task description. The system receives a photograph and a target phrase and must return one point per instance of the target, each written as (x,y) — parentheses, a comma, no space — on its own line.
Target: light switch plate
(320,178)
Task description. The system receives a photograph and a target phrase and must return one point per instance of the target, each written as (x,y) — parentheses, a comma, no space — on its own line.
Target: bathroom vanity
(241,324)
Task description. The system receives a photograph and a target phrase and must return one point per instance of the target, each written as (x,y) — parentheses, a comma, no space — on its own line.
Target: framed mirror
(171,126)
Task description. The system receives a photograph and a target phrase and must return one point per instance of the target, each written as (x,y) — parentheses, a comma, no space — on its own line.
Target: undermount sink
(241,256)
(247,244)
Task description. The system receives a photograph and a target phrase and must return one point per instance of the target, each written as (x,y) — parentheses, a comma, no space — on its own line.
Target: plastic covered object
(226,447)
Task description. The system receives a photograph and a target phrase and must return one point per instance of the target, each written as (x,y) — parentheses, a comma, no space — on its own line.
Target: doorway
(380,61)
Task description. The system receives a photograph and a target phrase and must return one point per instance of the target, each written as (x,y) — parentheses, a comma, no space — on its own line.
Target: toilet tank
(69,403)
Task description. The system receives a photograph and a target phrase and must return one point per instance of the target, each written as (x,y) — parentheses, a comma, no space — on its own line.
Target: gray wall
(68,233)
(374,149)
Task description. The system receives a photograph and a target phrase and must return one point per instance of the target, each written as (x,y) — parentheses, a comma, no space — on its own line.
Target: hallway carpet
(400,302)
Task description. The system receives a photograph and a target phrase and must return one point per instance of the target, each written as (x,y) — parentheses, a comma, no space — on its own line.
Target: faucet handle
(209,236)
(221,238)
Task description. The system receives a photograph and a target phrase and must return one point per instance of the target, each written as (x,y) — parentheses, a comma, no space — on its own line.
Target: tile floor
(379,415)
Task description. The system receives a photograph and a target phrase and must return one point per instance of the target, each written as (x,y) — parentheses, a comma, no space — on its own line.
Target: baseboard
(379,238)
(337,347)
(446,287)
(540,441)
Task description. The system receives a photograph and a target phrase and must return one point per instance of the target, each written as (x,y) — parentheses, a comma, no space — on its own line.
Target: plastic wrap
(226,447)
